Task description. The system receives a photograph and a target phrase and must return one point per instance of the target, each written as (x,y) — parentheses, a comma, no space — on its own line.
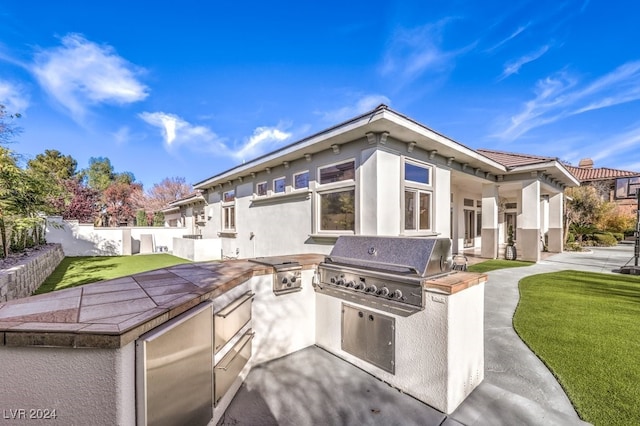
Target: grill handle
(348,261)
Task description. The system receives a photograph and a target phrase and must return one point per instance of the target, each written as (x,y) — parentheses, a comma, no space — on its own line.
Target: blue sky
(193,88)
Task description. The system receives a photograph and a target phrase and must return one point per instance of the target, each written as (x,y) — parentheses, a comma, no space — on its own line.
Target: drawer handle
(247,338)
(235,305)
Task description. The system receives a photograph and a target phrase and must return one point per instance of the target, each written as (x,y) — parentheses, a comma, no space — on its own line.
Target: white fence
(82,239)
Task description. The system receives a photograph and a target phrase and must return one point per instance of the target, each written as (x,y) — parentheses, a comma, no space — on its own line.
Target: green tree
(52,164)
(99,175)
(7,128)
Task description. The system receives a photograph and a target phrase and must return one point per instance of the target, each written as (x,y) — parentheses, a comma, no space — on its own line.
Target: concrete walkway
(312,387)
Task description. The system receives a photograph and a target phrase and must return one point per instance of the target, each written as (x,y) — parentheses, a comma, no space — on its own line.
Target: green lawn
(492,265)
(586,329)
(75,271)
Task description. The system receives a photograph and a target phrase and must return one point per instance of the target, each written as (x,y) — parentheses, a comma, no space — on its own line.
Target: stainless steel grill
(385,273)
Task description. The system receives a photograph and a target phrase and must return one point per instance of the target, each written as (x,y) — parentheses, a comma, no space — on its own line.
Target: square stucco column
(380,208)
(556,226)
(528,244)
(489,243)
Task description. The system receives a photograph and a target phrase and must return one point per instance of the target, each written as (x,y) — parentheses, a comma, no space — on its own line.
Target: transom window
(338,172)
(301,180)
(279,185)
(417,173)
(229,196)
(261,188)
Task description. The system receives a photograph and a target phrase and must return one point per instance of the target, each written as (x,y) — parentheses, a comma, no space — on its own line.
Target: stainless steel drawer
(230,320)
(230,366)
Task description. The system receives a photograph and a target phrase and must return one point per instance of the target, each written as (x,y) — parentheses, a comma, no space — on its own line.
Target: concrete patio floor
(313,387)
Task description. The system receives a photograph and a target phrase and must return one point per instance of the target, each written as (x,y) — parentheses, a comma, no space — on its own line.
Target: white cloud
(81,73)
(514,66)
(560,96)
(263,140)
(413,52)
(513,35)
(13,97)
(621,146)
(178,132)
(362,105)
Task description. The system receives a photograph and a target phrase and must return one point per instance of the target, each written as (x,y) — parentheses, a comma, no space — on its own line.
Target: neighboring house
(382,173)
(618,186)
(187,212)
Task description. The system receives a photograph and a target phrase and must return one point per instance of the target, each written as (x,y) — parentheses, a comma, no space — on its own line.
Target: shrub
(573,246)
(571,237)
(605,239)
(618,235)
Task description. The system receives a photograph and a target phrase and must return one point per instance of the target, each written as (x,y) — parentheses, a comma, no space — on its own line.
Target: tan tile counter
(112,313)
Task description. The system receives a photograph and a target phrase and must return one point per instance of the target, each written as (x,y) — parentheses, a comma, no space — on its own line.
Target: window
(417,173)
(627,187)
(301,180)
(417,197)
(261,189)
(337,210)
(336,202)
(338,172)
(279,185)
(229,210)
(417,210)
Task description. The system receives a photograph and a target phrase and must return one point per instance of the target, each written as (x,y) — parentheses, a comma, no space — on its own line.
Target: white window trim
(414,184)
(341,182)
(293,182)
(318,221)
(266,185)
(224,205)
(409,185)
(273,185)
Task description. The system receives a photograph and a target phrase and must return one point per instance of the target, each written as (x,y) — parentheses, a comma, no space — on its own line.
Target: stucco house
(382,173)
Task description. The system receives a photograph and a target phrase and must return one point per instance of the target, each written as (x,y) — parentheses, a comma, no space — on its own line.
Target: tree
(168,190)
(583,209)
(119,203)
(77,201)
(52,164)
(99,175)
(7,129)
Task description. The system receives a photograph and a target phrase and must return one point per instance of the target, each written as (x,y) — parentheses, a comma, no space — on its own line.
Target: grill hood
(423,257)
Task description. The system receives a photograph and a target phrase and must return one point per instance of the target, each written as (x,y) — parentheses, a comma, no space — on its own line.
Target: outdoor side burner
(287,275)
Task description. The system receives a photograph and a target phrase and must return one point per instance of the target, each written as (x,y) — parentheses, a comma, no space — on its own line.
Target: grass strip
(75,271)
(492,265)
(585,327)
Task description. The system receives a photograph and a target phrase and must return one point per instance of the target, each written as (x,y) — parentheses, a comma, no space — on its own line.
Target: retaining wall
(22,279)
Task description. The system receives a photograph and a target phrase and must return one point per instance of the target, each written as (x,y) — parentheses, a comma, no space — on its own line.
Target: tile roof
(600,173)
(511,159)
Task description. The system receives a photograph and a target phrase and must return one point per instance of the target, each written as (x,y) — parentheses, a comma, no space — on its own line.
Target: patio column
(489,244)
(556,223)
(529,223)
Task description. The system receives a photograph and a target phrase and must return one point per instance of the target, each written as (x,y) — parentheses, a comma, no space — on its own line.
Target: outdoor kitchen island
(115,352)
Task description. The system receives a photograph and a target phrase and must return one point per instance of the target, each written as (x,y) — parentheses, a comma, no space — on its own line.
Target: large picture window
(337,211)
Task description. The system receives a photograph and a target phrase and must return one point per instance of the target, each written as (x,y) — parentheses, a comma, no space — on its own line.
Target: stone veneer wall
(21,280)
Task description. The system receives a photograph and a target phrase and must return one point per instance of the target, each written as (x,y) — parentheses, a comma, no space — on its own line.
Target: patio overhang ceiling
(381,120)
(552,171)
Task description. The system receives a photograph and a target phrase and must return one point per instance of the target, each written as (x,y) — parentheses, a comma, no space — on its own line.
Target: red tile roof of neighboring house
(600,173)
(511,159)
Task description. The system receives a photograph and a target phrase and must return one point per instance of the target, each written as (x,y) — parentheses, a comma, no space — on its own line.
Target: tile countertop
(113,313)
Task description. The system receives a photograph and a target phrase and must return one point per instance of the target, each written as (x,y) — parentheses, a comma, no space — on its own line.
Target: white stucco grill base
(439,354)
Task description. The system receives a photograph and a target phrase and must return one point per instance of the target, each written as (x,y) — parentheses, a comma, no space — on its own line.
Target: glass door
(469,228)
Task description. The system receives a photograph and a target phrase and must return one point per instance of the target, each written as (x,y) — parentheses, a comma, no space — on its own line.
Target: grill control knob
(397,294)
(332,280)
(383,292)
(294,279)
(340,282)
(285,280)
(371,289)
(351,284)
